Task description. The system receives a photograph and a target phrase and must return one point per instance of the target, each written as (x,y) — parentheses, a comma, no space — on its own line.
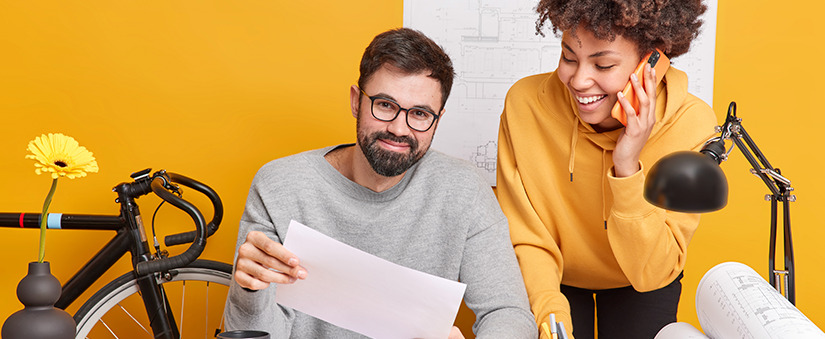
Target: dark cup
(245,334)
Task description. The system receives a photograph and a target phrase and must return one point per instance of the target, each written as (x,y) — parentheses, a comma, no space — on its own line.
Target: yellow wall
(209,89)
(215,89)
(767,60)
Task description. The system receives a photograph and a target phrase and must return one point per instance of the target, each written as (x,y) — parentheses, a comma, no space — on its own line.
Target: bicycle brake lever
(167,182)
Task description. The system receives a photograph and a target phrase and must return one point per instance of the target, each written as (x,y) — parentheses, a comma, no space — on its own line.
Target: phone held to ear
(659,62)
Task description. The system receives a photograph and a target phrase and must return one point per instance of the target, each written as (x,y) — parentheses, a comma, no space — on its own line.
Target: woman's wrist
(626,169)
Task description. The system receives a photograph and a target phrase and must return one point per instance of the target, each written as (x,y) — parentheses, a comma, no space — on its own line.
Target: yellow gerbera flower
(61,156)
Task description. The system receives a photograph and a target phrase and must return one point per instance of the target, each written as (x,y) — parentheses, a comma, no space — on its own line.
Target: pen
(546,330)
(553,331)
(562,331)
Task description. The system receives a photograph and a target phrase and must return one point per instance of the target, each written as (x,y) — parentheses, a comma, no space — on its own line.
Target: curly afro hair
(669,25)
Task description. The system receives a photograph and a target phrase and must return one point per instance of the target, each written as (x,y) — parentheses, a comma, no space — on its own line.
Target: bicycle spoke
(182,299)
(206,321)
(133,319)
(108,328)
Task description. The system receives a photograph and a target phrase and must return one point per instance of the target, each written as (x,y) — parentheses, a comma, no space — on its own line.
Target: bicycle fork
(161,319)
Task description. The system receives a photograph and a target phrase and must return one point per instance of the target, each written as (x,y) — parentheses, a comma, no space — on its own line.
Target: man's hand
(262,261)
(455,334)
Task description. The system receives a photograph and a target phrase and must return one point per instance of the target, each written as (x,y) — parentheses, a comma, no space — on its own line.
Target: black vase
(38,291)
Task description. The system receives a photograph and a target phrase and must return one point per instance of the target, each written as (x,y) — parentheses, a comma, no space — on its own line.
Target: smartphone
(659,62)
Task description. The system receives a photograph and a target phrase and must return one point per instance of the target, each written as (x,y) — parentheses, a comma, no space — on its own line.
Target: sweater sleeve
(256,310)
(495,289)
(650,244)
(535,246)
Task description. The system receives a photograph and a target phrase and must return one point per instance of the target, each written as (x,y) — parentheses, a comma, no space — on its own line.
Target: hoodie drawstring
(573,141)
(604,178)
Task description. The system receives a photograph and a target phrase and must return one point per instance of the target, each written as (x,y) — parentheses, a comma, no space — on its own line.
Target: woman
(570,176)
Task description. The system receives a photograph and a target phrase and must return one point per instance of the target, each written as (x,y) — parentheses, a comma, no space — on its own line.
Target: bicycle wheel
(196,294)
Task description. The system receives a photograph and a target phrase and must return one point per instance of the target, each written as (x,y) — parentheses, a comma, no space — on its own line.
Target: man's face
(392,147)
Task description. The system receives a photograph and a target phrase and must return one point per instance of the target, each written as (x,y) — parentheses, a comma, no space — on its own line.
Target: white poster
(492,44)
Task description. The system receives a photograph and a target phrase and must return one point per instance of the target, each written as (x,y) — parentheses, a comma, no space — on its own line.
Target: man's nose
(398,126)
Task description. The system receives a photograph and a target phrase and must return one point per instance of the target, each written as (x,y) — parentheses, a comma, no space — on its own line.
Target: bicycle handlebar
(212,226)
(198,237)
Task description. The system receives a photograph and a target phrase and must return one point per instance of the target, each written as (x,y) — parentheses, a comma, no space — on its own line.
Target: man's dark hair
(410,51)
(669,25)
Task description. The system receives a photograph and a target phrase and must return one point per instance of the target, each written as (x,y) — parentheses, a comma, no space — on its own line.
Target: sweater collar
(353,189)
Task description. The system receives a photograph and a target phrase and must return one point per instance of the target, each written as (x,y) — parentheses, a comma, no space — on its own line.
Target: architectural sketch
(492,44)
(733,301)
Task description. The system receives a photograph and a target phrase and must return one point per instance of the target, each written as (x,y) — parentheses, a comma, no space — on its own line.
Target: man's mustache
(394,138)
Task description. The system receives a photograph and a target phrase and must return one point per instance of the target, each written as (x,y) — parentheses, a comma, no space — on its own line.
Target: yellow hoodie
(571,221)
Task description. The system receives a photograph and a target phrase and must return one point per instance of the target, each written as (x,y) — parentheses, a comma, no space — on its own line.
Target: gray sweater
(442,219)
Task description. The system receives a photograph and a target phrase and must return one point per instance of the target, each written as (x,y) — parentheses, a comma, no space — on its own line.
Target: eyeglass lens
(387,110)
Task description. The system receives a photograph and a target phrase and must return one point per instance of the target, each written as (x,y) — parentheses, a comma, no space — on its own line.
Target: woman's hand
(639,124)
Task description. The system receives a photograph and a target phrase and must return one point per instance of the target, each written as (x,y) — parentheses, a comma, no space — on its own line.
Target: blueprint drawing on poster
(492,44)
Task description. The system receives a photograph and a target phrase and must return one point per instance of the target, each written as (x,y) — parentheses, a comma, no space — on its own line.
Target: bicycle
(156,289)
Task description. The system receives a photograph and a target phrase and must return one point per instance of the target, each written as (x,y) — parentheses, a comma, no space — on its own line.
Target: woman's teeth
(587,100)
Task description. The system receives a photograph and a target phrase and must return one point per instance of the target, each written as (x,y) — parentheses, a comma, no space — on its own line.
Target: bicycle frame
(131,237)
(98,264)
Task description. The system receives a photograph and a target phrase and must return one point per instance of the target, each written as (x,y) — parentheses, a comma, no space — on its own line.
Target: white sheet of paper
(680,330)
(367,294)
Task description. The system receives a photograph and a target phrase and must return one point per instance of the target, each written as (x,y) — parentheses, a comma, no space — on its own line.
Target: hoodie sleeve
(536,249)
(650,243)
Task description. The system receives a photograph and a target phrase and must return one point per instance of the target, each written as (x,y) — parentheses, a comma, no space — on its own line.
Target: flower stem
(44,217)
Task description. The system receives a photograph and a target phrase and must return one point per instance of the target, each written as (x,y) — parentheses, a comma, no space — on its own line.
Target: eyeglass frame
(406,115)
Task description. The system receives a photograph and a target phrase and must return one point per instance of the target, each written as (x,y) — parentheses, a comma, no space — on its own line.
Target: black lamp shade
(687,181)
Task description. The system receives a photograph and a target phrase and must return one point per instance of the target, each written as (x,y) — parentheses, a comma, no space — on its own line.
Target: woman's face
(595,71)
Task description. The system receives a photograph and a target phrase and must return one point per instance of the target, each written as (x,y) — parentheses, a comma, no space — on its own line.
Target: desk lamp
(693,182)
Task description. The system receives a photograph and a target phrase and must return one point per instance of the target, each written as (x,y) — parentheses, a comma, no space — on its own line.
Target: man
(386,195)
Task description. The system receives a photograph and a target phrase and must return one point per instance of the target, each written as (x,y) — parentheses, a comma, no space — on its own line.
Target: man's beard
(389,163)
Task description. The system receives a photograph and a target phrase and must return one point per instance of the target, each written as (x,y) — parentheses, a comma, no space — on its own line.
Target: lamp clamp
(774,175)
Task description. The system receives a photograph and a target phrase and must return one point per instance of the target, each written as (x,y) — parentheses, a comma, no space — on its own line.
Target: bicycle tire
(111,302)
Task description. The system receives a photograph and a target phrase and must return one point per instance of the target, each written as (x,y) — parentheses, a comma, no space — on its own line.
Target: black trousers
(622,312)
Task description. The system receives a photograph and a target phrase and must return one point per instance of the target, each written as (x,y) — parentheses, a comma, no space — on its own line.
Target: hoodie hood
(555,96)
(670,96)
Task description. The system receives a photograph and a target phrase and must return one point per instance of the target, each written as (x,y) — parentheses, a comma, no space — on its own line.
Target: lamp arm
(790,275)
(760,165)
(733,129)
(780,188)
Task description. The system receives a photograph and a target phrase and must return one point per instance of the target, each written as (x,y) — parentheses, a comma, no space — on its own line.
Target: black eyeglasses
(385,109)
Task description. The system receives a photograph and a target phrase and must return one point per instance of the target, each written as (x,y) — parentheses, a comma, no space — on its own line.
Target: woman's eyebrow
(594,55)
